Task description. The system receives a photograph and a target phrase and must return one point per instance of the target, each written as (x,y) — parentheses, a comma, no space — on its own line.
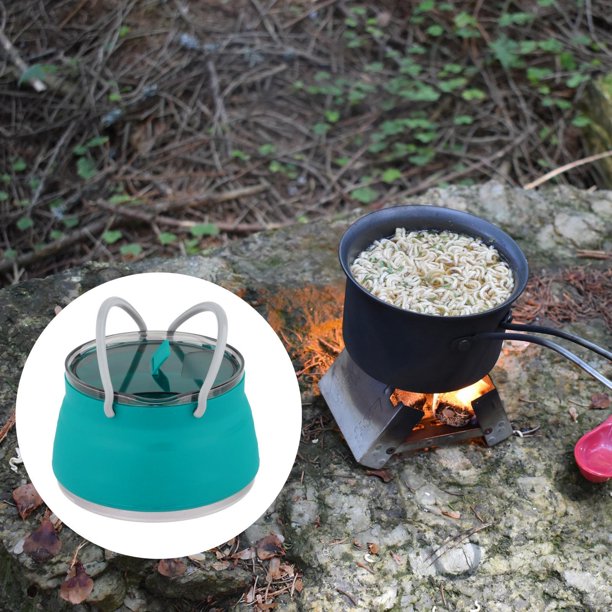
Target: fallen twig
(7,45)
(575,164)
(8,425)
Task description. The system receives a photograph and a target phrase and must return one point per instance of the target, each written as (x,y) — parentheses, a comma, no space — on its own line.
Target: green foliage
(36,71)
(19,165)
(86,169)
(131,250)
(24,223)
(112,236)
(204,229)
(3,196)
(365,195)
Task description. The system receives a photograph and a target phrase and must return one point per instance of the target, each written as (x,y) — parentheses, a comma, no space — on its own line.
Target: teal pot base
(156,517)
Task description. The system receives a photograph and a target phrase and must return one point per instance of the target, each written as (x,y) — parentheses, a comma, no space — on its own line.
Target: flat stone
(519,528)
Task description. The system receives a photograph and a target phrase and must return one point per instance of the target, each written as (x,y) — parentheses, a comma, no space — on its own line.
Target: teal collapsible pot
(155,425)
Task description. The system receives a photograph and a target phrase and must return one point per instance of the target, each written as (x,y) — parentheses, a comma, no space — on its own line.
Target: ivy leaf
(167,238)
(130,250)
(267,149)
(97,141)
(332,116)
(111,236)
(19,165)
(581,121)
(463,120)
(391,174)
(25,223)
(86,169)
(365,195)
(3,196)
(473,94)
(204,229)
(120,198)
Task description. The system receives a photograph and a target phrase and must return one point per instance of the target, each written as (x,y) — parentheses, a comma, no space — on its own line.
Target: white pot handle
(107,383)
(215,364)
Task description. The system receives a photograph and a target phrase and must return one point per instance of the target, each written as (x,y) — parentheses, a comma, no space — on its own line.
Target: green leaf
(577,79)
(423,158)
(473,94)
(527,46)
(79,150)
(426,137)
(452,84)
(5,178)
(322,75)
(546,2)
(536,75)
(70,222)
(167,238)
(132,249)
(124,30)
(111,236)
(505,50)
(508,19)
(10,254)
(56,234)
(24,223)
(120,198)
(275,166)
(552,45)
(332,116)
(365,195)
(425,6)
(96,141)
(3,196)
(375,67)
(567,60)
(463,120)
(581,121)
(204,229)
(390,175)
(417,49)
(267,149)
(241,155)
(320,129)
(36,71)
(435,30)
(86,168)
(19,165)
(453,68)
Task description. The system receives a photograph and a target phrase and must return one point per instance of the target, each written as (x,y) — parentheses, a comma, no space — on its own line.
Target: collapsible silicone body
(149,455)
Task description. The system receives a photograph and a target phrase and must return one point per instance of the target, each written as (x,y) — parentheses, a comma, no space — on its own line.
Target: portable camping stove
(379,421)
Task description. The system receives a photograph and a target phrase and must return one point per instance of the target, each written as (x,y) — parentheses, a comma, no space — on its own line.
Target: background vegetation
(157,127)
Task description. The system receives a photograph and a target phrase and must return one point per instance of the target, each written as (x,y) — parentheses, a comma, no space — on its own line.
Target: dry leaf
(451,514)
(287,570)
(246,554)
(270,546)
(27,499)
(42,544)
(573,413)
(600,401)
(373,548)
(298,585)
(250,596)
(220,565)
(357,544)
(384,475)
(274,572)
(171,567)
(78,585)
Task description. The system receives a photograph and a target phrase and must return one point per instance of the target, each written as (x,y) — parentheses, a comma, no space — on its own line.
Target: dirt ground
(161,127)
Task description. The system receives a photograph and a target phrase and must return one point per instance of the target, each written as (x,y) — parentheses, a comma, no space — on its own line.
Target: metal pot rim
(519,283)
(183,338)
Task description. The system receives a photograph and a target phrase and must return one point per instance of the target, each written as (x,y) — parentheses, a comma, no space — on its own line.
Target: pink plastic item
(593,452)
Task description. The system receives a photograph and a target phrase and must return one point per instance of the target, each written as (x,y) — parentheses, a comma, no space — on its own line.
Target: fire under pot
(389,350)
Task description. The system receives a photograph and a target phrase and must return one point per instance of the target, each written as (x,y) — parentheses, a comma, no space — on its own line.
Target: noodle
(435,273)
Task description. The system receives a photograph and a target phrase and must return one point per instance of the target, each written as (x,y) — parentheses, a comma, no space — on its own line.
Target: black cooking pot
(426,353)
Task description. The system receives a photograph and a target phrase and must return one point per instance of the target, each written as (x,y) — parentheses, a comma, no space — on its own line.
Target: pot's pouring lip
(518,264)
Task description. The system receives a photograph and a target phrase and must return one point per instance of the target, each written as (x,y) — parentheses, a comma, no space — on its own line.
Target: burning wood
(455,408)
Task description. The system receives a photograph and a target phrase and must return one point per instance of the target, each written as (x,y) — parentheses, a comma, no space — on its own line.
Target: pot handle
(215,364)
(102,357)
(551,345)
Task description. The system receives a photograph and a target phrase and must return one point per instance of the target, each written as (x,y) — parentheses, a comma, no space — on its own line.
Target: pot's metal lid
(154,368)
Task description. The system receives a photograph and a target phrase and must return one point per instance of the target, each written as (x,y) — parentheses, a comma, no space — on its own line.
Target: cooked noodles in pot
(434,273)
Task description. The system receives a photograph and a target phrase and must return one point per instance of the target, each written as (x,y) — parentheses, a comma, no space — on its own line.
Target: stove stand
(375,428)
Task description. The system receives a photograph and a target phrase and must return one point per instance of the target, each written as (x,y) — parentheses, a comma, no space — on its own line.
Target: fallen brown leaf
(78,585)
(171,567)
(246,554)
(373,548)
(600,401)
(573,413)
(287,570)
(43,543)
(451,514)
(220,565)
(384,475)
(27,499)
(270,546)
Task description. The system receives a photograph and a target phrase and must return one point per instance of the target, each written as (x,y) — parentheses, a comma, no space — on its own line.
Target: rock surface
(465,527)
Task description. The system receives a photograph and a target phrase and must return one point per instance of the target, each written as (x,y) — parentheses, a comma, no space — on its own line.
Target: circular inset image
(158,415)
